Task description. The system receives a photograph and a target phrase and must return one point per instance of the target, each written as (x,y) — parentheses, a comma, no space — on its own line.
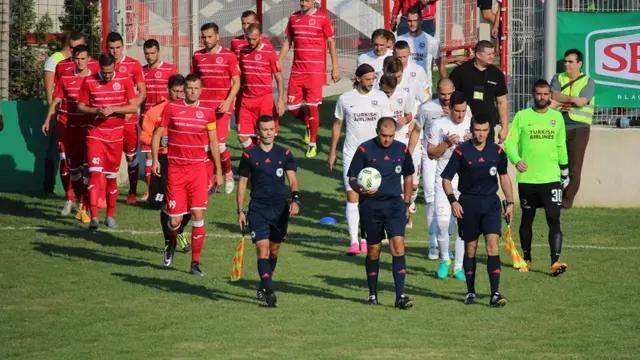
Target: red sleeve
(275,62)
(194,67)
(234,69)
(396,7)
(266,40)
(327,28)
(289,29)
(94,66)
(174,70)
(130,88)
(212,118)
(83,95)
(59,90)
(138,74)
(166,116)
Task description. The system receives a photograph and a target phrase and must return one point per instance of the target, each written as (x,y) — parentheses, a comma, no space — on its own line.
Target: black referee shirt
(480,88)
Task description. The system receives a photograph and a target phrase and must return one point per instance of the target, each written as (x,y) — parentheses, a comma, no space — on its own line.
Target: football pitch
(67,293)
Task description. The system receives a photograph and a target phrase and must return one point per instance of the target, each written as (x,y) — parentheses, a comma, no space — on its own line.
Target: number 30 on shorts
(556,195)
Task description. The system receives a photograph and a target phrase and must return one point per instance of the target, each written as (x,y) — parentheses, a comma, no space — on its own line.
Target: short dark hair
(263,119)
(106,59)
(575,52)
(379,33)
(247,13)
(415,10)
(390,35)
(392,64)
(80,49)
(389,79)
(540,83)
(254,27)
(151,43)
(482,45)
(192,78)
(480,118)
(114,37)
(362,70)
(457,98)
(384,120)
(75,35)
(401,45)
(210,26)
(176,80)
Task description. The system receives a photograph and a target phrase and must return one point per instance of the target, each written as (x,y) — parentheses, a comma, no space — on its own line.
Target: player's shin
(185,220)
(77,182)
(95,181)
(314,124)
(469,266)
(112,194)
(526,232)
(164,224)
(65,177)
(432,229)
(493,262)
(353,220)
(299,114)
(399,265)
(225,158)
(264,267)
(443,236)
(197,240)
(147,172)
(133,170)
(372,266)
(458,253)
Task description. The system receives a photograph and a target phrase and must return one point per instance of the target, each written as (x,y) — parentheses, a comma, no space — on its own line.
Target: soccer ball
(369,178)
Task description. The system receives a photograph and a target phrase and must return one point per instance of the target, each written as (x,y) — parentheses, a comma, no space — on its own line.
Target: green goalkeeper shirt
(540,140)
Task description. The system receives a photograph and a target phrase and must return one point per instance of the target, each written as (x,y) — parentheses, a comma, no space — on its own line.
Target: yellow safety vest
(578,114)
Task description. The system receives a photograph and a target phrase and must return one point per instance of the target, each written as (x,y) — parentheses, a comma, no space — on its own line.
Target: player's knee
(197,216)
(553,221)
(396,244)
(175,221)
(222,147)
(131,159)
(443,222)
(352,197)
(274,249)
(415,186)
(373,251)
(470,248)
(493,247)
(262,249)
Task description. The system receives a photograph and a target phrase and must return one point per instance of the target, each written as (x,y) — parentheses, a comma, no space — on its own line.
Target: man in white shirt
(425,49)
(376,56)
(360,108)
(444,135)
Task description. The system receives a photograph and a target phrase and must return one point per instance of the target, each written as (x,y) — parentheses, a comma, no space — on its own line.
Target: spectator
(574,93)
(486,10)
(484,87)
(400,7)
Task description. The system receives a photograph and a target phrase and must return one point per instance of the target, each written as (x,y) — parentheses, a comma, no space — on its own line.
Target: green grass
(66,293)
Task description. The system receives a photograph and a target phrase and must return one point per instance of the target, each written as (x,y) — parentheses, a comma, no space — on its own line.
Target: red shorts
(130,138)
(186,188)
(222,127)
(75,146)
(305,87)
(250,110)
(104,156)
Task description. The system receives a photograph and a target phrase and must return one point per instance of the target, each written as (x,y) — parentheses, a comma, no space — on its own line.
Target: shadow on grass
(74,253)
(40,209)
(104,238)
(176,286)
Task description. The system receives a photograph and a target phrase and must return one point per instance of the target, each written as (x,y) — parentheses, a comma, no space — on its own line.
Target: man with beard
(536,145)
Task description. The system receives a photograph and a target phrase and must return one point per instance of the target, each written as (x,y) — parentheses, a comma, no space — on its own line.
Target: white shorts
(417,163)
(428,178)
(346,163)
(443,208)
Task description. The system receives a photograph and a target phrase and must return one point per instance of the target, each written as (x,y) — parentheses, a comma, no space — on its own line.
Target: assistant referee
(477,162)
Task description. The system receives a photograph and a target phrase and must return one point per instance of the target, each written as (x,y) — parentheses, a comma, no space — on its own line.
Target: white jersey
(416,82)
(430,112)
(424,49)
(361,112)
(374,60)
(438,132)
(401,103)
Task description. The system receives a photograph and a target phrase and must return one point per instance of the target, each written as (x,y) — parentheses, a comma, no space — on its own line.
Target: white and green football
(369,178)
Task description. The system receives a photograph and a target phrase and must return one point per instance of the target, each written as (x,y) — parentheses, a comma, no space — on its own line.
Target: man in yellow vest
(573,93)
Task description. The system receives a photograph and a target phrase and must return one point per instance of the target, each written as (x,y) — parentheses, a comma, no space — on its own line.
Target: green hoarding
(610,43)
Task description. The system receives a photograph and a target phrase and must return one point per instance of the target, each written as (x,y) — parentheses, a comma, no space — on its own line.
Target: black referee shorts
(157,188)
(482,215)
(485,4)
(268,221)
(547,196)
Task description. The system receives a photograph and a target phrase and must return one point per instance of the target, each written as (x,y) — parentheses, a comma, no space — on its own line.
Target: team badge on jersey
(398,169)
(258,57)
(413,74)
(123,69)
(400,101)
(312,22)
(219,60)
(116,86)
(279,172)
(157,75)
(493,171)
(374,102)
(199,115)
(421,45)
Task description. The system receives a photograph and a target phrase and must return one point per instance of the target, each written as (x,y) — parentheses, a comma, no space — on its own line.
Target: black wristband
(295,197)
(451,198)
(240,211)
(562,167)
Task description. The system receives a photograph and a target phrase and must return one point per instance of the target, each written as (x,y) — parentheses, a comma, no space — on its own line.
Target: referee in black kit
(484,87)
(476,162)
(384,209)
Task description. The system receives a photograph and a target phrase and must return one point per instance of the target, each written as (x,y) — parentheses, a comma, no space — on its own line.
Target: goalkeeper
(536,145)
(477,162)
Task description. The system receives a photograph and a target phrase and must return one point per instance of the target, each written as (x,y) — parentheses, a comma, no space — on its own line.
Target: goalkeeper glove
(164,141)
(564,176)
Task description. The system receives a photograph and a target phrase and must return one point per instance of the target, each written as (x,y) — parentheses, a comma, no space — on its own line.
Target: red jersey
(216,70)
(308,33)
(157,80)
(241,41)
(132,68)
(187,129)
(258,67)
(68,66)
(97,92)
(68,88)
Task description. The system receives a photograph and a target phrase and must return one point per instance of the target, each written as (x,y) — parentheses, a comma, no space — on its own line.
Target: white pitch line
(310,239)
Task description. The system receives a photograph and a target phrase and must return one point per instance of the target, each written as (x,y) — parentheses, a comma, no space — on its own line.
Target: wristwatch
(240,211)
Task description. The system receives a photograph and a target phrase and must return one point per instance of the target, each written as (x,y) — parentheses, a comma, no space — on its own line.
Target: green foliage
(25,69)
(84,15)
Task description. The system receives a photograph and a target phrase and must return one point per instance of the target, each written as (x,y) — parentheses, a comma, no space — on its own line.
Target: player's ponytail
(361,71)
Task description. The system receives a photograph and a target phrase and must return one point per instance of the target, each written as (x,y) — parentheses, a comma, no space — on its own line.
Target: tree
(84,15)
(25,68)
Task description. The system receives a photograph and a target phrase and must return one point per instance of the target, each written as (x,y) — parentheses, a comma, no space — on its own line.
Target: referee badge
(493,171)
(374,102)
(398,169)
(279,172)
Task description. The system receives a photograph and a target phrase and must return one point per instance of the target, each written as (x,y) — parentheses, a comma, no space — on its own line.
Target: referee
(383,210)
(476,162)
(484,88)
(536,145)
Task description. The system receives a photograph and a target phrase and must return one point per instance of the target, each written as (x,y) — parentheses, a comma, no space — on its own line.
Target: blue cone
(327,221)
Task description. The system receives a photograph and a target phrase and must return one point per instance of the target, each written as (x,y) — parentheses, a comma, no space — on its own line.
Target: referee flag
(238,259)
(516,259)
